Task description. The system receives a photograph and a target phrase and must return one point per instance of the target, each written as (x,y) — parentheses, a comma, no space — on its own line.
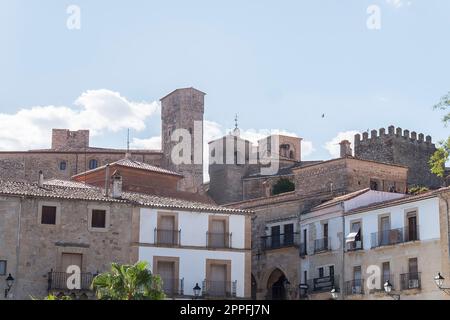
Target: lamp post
(303,288)
(388,289)
(9,284)
(197,290)
(439,280)
(334,293)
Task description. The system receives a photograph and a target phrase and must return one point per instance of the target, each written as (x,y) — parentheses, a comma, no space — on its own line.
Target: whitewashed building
(190,244)
(405,241)
(323,241)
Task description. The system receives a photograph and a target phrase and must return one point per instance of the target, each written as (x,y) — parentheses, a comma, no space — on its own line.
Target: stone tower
(182,113)
(397,146)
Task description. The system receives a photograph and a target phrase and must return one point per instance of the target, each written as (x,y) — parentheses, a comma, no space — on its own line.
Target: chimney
(41,179)
(116,191)
(107,181)
(345,148)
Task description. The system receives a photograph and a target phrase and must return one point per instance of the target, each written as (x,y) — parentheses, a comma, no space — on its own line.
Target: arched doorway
(276,285)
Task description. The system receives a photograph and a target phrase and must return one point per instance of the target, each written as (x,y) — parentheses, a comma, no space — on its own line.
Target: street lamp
(334,293)
(439,280)
(197,290)
(388,289)
(9,284)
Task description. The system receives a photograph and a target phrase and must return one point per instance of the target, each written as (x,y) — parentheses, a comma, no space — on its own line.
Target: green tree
(283,185)
(128,282)
(442,154)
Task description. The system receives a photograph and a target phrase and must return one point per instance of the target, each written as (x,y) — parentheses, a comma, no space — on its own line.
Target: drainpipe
(19,223)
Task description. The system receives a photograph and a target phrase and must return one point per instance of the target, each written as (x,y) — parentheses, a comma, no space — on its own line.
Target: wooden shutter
(71,259)
(166,270)
(217,236)
(98,219)
(48,215)
(218,279)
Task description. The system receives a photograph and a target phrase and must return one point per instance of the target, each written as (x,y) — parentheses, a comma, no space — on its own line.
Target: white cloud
(97,110)
(333,145)
(153,143)
(398,3)
(307,148)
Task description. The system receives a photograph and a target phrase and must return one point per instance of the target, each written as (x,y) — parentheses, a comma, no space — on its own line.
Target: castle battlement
(393,132)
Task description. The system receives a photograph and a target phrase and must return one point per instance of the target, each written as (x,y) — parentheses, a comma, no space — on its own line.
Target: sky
(279,65)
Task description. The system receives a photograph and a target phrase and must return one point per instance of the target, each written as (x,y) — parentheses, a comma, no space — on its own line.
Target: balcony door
(412,227)
(289,234)
(166,230)
(217,236)
(275,236)
(218,284)
(166,270)
(357,280)
(71,259)
(385,226)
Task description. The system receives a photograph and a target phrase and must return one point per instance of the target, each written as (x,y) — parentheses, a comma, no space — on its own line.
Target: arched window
(63,165)
(93,163)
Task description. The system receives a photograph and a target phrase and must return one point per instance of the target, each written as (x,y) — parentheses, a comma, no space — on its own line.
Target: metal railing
(384,279)
(167,237)
(218,240)
(219,289)
(354,287)
(173,287)
(387,237)
(354,245)
(325,283)
(410,281)
(321,245)
(282,240)
(58,280)
(394,236)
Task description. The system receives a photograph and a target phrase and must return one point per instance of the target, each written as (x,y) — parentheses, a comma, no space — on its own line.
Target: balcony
(58,281)
(218,240)
(354,246)
(173,287)
(410,281)
(394,236)
(384,279)
(165,237)
(325,284)
(278,241)
(354,287)
(219,289)
(321,245)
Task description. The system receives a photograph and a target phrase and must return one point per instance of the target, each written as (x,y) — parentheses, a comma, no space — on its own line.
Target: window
(331,271)
(321,274)
(411,230)
(289,234)
(93,163)
(275,233)
(63,165)
(48,215)
(325,231)
(2,267)
(373,185)
(167,231)
(98,219)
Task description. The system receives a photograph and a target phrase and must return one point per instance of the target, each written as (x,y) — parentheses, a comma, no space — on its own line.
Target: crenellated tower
(398,146)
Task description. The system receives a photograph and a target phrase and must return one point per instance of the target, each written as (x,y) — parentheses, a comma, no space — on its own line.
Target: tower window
(93,163)
(63,165)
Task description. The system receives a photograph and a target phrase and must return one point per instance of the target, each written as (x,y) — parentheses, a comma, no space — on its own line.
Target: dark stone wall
(397,146)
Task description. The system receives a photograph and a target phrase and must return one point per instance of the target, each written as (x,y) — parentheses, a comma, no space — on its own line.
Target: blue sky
(278,64)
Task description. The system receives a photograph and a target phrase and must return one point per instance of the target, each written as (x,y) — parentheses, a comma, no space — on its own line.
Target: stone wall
(402,147)
(63,139)
(41,246)
(25,166)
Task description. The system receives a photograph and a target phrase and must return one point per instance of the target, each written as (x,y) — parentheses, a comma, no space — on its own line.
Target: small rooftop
(68,190)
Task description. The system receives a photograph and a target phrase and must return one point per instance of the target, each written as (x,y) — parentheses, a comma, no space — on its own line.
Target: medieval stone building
(71,153)
(403,147)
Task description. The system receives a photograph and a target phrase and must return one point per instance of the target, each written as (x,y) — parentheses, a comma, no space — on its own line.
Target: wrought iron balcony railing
(410,281)
(219,289)
(58,281)
(167,237)
(218,240)
(282,240)
(321,245)
(354,287)
(394,236)
(173,287)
